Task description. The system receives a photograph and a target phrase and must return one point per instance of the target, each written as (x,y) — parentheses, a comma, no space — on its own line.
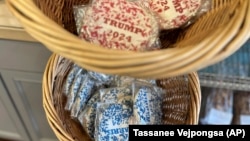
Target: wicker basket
(213,37)
(181,104)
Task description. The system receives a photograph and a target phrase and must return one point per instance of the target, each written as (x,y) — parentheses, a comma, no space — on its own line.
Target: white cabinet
(21,69)
(26,91)
(11,126)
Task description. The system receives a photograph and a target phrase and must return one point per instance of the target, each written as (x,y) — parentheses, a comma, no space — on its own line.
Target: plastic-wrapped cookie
(88,115)
(86,90)
(94,99)
(123,81)
(149,81)
(109,95)
(112,122)
(76,70)
(76,84)
(101,78)
(120,24)
(173,13)
(147,104)
(126,100)
(79,12)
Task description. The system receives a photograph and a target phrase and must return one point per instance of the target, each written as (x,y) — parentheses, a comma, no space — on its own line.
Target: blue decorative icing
(112,122)
(88,116)
(100,77)
(147,105)
(92,116)
(70,78)
(141,105)
(94,98)
(83,95)
(74,90)
(86,91)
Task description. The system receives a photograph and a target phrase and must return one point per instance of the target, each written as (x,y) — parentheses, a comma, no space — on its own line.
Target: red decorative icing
(119,24)
(173,13)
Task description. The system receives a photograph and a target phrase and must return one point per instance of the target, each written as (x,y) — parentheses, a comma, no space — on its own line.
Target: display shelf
(231,73)
(227,82)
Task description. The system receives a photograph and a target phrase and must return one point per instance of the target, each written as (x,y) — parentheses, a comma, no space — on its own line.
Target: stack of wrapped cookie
(134,25)
(106,105)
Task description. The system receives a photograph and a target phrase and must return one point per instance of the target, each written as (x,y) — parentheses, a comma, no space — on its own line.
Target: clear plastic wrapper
(219,107)
(126,100)
(70,78)
(87,117)
(149,81)
(121,81)
(112,122)
(79,12)
(127,80)
(112,95)
(76,84)
(87,88)
(176,13)
(120,24)
(147,104)
(101,78)
(205,6)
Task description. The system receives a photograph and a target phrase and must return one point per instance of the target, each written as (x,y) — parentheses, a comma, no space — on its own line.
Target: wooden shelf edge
(15,34)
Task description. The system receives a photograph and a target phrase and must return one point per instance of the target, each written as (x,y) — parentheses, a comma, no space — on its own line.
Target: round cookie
(120,24)
(173,13)
(112,122)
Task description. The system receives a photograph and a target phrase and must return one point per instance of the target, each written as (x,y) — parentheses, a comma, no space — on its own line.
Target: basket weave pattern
(212,37)
(181,104)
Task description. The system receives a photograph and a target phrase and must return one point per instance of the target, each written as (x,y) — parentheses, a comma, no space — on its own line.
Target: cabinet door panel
(26,91)
(11,126)
(7,128)
(23,56)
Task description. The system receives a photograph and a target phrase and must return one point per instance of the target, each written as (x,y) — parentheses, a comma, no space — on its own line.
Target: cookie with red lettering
(120,24)
(173,13)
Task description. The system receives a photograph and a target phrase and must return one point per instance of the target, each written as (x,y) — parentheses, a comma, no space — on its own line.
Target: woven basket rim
(54,119)
(180,60)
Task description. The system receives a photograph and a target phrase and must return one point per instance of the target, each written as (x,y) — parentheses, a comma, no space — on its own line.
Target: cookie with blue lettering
(147,104)
(112,122)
